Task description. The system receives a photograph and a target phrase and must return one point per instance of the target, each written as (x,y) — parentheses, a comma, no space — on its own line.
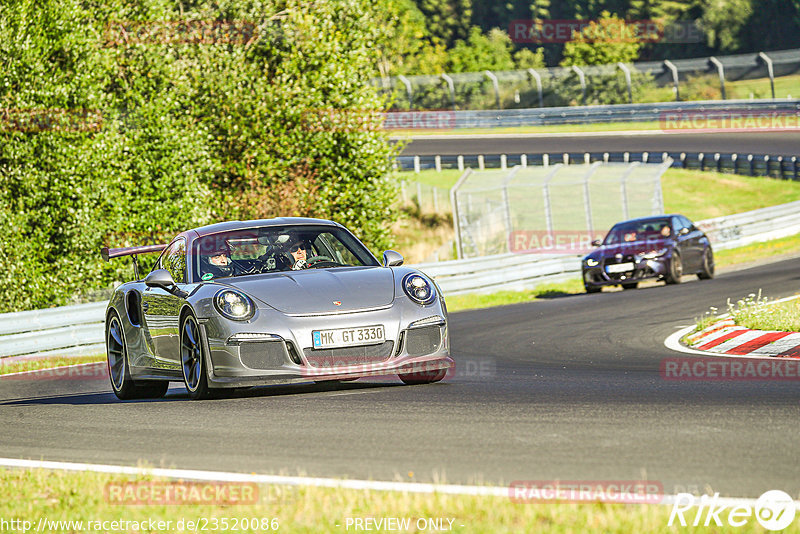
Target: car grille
(612,261)
(262,355)
(422,341)
(349,355)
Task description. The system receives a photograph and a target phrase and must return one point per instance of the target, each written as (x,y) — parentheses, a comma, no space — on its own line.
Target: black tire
(118,370)
(193,362)
(423,377)
(675,271)
(630,285)
(592,289)
(707,268)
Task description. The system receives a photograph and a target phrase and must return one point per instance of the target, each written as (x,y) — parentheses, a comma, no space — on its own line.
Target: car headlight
(591,262)
(234,304)
(418,289)
(654,254)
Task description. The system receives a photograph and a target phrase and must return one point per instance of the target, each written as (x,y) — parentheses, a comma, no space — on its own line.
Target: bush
(191,132)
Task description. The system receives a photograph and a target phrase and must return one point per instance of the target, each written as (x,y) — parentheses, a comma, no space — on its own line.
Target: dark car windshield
(275,249)
(645,230)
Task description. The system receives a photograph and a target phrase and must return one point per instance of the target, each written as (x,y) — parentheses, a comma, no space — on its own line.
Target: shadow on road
(178,393)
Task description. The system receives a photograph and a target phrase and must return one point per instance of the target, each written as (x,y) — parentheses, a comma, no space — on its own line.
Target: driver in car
(299,255)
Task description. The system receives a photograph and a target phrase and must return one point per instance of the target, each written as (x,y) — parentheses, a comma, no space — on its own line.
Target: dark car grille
(628,258)
(349,355)
(422,341)
(262,355)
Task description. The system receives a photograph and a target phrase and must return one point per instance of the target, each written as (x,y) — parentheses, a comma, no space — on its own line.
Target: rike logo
(774,510)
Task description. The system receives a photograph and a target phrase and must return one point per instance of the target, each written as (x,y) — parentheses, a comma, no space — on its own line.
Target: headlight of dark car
(591,262)
(234,304)
(418,289)
(654,254)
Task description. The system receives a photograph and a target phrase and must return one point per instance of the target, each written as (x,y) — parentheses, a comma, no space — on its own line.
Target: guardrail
(667,112)
(79,329)
(777,166)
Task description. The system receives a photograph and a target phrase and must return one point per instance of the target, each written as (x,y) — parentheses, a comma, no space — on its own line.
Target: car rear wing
(108,253)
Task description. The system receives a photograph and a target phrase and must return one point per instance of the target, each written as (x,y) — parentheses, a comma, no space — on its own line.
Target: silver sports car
(275,301)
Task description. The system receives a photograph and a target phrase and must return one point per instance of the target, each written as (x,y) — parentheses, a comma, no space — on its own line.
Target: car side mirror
(596,243)
(392,259)
(162,279)
(683,231)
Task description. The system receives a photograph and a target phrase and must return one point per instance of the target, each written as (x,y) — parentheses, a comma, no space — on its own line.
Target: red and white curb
(727,339)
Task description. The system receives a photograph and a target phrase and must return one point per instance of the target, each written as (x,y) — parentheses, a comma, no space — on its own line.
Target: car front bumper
(288,356)
(644,269)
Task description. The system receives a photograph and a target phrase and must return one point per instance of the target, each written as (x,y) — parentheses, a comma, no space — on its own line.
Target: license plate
(619,267)
(349,337)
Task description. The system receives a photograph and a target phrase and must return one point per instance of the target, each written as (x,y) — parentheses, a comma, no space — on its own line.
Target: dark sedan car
(663,247)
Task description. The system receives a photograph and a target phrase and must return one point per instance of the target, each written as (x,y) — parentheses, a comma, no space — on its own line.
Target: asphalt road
(777,143)
(565,388)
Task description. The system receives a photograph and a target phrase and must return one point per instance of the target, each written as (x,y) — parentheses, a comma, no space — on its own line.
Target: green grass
(703,195)
(758,251)
(784,86)
(784,316)
(48,363)
(470,301)
(65,496)
(696,194)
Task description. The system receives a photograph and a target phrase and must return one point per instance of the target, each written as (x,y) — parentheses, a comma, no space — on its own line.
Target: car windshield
(276,249)
(645,230)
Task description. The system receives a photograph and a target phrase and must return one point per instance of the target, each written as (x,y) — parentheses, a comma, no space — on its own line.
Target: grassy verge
(62,496)
(48,363)
(469,301)
(698,195)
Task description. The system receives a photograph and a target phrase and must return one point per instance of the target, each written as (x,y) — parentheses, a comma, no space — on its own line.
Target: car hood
(634,247)
(317,290)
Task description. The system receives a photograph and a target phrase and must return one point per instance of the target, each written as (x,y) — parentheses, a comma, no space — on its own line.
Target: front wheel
(193,360)
(707,270)
(592,289)
(118,371)
(675,271)
(423,377)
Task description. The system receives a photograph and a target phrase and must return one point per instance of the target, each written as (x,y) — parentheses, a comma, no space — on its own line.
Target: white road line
(544,135)
(222,476)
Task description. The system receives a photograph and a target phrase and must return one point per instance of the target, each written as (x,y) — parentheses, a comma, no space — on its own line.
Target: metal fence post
(587,200)
(538,79)
(674,70)
(489,74)
(451,88)
(582,77)
(503,161)
(545,160)
(752,164)
(523,160)
(735,161)
(437,161)
(627,72)
(766,165)
(623,186)
(702,159)
(718,162)
(721,70)
(768,62)
(409,90)
(481,163)
(416,164)
(460,161)
(456,212)
(794,166)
